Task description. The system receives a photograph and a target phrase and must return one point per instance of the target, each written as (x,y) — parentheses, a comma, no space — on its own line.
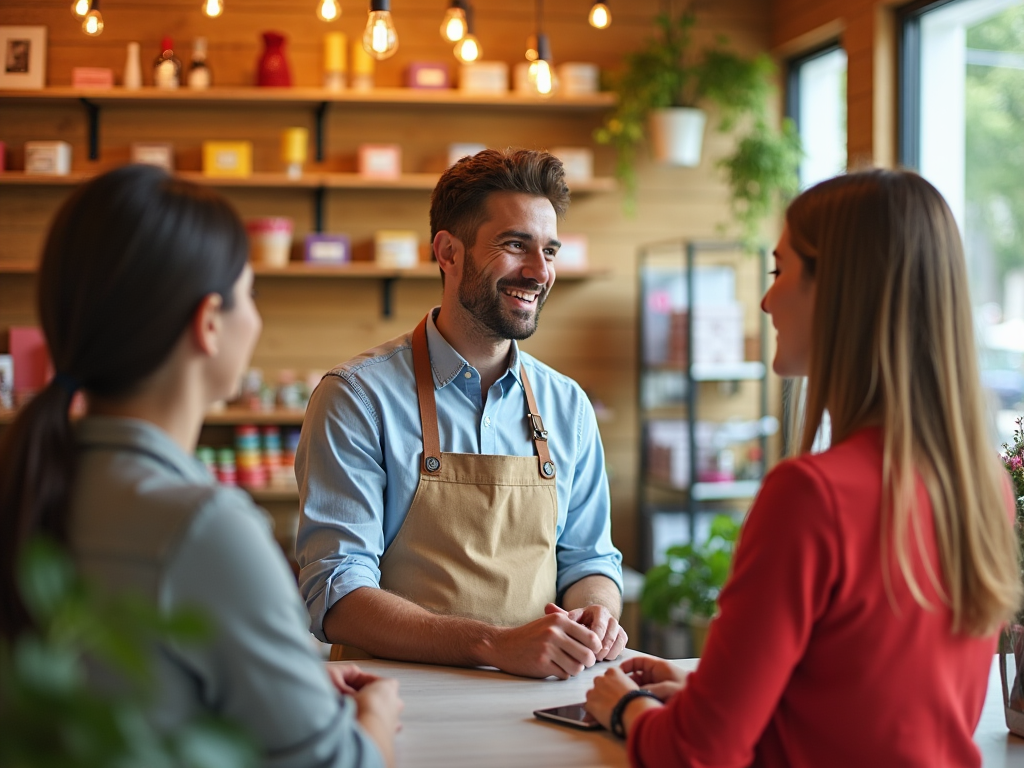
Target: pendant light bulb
(92,24)
(328,10)
(600,16)
(468,50)
(213,8)
(540,75)
(380,39)
(531,48)
(454,25)
(79,8)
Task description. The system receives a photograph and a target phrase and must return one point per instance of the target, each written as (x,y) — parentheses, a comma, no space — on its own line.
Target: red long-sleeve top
(809,663)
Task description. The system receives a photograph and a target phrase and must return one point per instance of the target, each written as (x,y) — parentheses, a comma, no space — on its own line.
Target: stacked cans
(227,474)
(252,473)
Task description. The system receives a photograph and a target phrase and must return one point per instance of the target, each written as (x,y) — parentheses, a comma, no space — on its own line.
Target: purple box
(429,75)
(328,249)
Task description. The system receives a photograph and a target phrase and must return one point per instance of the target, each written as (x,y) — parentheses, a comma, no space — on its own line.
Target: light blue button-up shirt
(358,462)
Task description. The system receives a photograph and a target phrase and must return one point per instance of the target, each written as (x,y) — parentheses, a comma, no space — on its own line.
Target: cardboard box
(460,150)
(48,158)
(427,75)
(160,154)
(380,161)
(227,159)
(573,253)
(578,78)
(321,248)
(396,248)
(577,161)
(484,77)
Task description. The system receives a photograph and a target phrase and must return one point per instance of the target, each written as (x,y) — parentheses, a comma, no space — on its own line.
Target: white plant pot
(677,135)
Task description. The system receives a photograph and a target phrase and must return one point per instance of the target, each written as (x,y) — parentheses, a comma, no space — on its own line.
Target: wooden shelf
(314,180)
(359,270)
(736,490)
(312,96)
(232,416)
(746,371)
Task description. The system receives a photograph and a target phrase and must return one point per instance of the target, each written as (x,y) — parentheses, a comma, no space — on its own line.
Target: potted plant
(683,591)
(1012,640)
(50,715)
(661,94)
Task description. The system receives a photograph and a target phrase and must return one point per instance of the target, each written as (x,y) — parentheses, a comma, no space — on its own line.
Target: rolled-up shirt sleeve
(585,545)
(339,466)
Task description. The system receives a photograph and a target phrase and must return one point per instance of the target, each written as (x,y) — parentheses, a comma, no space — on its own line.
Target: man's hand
(553,645)
(602,623)
(348,678)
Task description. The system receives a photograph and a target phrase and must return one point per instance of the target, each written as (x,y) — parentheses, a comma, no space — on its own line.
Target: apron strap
(428,410)
(538,434)
(428,405)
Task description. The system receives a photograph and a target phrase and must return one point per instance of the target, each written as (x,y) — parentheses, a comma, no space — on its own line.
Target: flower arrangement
(1013,460)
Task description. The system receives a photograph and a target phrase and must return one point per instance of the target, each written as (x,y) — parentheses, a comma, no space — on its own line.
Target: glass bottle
(167,68)
(199,73)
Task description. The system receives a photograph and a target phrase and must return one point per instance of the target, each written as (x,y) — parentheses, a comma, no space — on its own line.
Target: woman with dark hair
(870,581)
(145,298)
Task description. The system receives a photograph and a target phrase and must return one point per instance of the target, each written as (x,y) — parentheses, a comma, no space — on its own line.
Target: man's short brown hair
(458,201)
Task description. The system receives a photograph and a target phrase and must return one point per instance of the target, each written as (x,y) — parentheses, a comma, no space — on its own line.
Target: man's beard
(483,301)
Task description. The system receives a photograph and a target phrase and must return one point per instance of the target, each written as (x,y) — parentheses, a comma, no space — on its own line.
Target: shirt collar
(142,437)
(446,363)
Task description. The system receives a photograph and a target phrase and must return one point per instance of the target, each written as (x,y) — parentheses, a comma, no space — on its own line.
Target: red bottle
(272,68)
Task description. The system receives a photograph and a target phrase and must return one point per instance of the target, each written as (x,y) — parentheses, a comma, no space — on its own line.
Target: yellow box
(227,159)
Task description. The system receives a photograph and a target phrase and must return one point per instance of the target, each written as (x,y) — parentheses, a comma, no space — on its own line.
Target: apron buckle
(539,433)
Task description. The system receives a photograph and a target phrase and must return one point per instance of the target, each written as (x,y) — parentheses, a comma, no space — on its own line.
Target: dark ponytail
(128,260)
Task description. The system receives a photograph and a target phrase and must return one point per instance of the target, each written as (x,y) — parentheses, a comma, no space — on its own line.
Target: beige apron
(479,539)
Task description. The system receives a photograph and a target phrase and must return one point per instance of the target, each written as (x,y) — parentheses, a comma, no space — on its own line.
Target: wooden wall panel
(588,330)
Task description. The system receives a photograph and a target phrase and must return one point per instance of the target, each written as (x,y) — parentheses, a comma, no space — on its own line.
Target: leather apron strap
(431,461)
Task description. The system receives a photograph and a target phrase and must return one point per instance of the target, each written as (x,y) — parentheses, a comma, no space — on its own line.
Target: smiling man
(454,498)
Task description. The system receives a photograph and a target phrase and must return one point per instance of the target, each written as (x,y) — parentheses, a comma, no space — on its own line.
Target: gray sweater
(148,518)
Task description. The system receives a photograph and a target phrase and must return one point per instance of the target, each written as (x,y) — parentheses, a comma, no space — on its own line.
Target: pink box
(92,77)
(32,367)
(3,156)
(380,161)
(427,75)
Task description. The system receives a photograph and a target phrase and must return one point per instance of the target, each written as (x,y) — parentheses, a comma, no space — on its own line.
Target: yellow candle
(293,145)
(334,52)
(362,62)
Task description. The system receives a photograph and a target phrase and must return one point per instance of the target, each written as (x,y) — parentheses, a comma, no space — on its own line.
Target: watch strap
(616,720)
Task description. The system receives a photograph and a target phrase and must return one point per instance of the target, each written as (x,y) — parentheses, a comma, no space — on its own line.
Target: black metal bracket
(318,209)
(386,295)
(93,111)
(321,111)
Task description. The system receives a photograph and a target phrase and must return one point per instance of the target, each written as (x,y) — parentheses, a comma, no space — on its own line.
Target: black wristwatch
(616,722)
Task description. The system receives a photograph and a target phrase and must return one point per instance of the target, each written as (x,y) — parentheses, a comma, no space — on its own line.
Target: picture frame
(23,57)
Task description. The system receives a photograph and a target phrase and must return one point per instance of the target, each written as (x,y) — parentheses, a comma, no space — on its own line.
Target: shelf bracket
(93,111)
(386,289)
(318,209)
(321,110)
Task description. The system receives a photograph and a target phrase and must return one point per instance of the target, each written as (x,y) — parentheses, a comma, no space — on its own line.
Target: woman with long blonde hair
(871,580)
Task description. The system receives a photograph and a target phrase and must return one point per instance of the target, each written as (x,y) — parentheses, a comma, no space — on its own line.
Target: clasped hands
(561,643)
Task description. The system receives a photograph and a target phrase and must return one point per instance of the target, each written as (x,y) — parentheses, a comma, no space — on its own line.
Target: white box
(396,248)
(573,253)
(577,78)
(48,158)
(160,154)
(577,161)
(380,161)
(485,77)
(460,150)
(718,334)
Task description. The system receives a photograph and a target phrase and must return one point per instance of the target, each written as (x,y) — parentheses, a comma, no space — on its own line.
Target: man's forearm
(386,625)
(594,590)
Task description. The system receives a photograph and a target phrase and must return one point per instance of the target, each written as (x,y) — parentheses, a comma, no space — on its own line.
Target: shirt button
(469,374)
(487,421)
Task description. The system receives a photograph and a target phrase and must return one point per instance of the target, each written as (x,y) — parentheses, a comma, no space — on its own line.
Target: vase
(677,135)
(272,68)
(1011,643)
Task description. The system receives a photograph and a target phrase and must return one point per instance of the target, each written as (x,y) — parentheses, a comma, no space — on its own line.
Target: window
(962,119)
(816,100)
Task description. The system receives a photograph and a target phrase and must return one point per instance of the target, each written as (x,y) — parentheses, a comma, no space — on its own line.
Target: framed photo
(23,57)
